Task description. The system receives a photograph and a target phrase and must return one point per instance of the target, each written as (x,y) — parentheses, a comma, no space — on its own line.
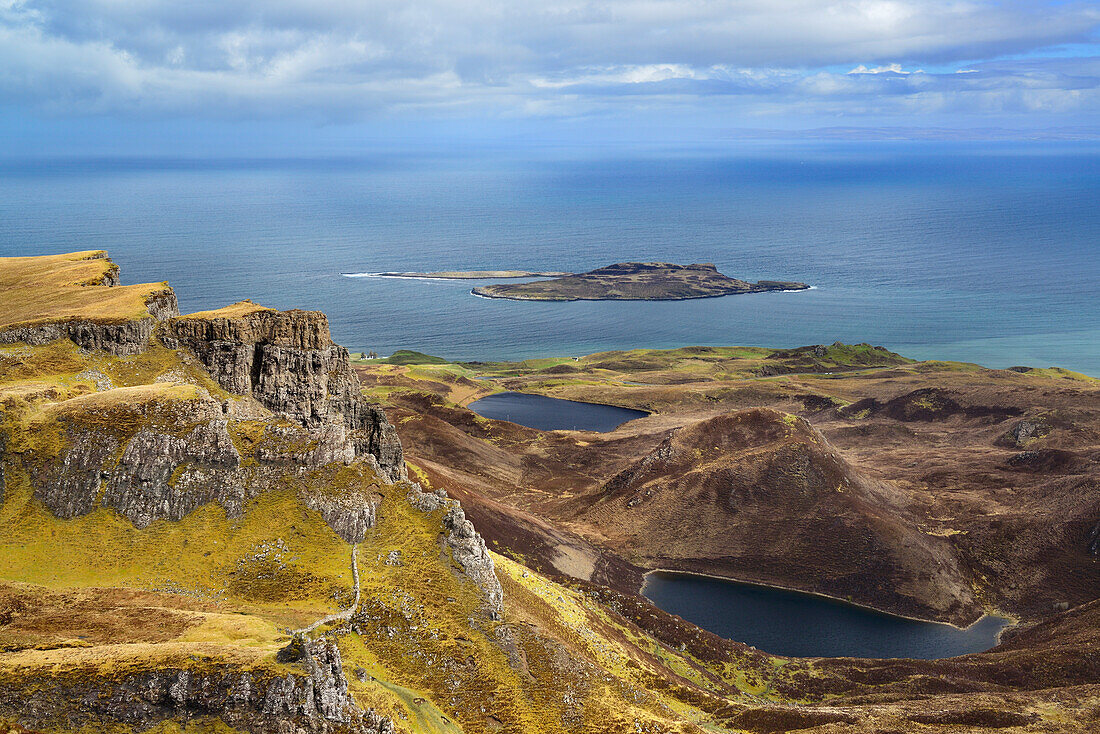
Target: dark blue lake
(553,414)
(785,622)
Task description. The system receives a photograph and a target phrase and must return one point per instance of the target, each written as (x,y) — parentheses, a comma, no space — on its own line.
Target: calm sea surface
(791,623)
(985,253)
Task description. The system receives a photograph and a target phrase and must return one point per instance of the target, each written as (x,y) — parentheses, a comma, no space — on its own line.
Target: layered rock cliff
(311,696)
(79,296)
(238,451)
(466,545)
(289,363)
(123,338)
(176,524)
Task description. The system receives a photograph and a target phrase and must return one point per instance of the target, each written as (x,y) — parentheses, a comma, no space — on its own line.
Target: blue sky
(153,76)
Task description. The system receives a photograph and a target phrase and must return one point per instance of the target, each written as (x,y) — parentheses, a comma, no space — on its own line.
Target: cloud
(337,59)
(888,69)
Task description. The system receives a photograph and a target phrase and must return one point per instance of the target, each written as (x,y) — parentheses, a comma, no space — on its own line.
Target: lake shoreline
(1012,622)
(621,411)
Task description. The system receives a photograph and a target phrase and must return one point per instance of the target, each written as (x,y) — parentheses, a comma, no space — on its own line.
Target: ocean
(987,253)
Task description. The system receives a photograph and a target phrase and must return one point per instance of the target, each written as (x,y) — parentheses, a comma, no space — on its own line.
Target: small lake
(553,414)
(785,622)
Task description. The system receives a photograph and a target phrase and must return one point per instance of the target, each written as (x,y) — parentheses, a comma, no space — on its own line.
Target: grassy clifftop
(73,286)
(232,311)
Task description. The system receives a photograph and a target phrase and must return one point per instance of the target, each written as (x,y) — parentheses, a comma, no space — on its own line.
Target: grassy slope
(684,385)
(429,658)
(421,653)
(63,287)
(714,362)
(232,311)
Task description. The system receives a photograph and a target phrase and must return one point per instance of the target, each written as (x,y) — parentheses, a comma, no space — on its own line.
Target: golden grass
(418,638)
(198,725)
(232,311)
(118,658)
(125,398)
(436,660)
(51,288)
(205,554)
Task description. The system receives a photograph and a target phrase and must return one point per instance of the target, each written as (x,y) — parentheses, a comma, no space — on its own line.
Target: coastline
(462,275)
(635,300)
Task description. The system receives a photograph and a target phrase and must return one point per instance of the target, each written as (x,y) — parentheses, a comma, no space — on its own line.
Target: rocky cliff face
(160,472)
(120,339)
(289,363)
(466,545)
(153,454)
(314,698)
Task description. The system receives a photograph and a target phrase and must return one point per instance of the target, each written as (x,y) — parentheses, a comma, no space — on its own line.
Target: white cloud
(887,69)
(360,57)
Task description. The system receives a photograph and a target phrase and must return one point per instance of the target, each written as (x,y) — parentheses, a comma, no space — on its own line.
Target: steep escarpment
(233,406)
(215,531)
(288,362)
(160,452)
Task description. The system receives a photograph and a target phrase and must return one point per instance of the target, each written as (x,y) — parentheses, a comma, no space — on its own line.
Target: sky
(116,77)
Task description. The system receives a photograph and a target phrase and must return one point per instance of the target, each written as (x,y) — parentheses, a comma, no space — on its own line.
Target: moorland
(220,522)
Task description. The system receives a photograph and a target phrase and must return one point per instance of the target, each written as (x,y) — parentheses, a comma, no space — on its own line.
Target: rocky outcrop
(1047,461)
(926,404)
(162,473)
(121,339)
(315,699)
(1023,432)
(651,461)
(466,545)
(70,486)
(161,476)
(349,515)
(289,363)
(469,551)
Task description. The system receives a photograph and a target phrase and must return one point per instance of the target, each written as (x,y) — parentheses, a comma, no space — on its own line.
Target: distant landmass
(635,281)
(473,274)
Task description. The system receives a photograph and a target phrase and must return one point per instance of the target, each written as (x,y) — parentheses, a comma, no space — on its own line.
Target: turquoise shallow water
(982,253)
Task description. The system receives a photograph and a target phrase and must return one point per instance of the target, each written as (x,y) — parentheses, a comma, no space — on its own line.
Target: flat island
(636,282)
(474,274)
